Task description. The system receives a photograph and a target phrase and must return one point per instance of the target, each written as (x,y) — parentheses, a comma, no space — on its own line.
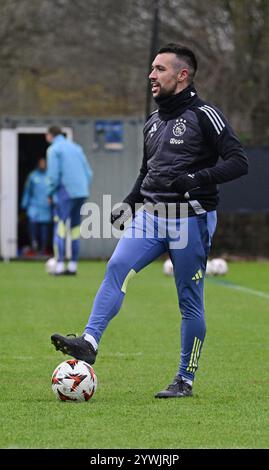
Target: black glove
(185,183)
(119,216)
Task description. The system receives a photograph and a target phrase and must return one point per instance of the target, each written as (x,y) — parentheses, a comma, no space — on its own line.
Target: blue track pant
(67,208)
(39,234)
(141,243)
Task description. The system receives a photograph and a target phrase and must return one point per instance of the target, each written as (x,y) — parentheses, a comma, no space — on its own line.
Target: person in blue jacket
(69,178)
(38,209)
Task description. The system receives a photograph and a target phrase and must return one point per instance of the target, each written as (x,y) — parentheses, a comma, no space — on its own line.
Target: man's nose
(152,74)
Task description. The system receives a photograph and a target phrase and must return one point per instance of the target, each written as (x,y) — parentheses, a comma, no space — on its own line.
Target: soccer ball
(214,267)
(74,381)
(168,269)
(219,267)
(209,268)
(50,266)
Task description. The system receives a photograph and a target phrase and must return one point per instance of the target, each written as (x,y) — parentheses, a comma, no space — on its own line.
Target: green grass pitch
(138,356)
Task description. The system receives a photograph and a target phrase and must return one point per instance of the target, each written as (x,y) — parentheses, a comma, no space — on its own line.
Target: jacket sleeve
(26,193)
(221,137)
(135,196)
(87,167)
(53,171)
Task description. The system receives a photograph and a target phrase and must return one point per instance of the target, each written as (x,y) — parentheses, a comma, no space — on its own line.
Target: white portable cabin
(115,169)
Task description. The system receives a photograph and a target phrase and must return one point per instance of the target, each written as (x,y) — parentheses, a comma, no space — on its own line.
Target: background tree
(90,57)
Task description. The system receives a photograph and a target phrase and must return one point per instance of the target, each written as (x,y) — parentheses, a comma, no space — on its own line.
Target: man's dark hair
(182,53)
(55,130)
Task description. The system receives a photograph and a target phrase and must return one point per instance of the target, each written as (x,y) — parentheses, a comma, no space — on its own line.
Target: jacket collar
(57,138)
(173,106)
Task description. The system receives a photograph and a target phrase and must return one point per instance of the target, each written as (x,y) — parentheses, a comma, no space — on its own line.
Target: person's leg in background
(33,234)
(75,219)
(62,212)
(43,236)
(54,233)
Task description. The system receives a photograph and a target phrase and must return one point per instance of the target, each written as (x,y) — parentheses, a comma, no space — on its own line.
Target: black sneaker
(177,389)
(70,273)
(76,347)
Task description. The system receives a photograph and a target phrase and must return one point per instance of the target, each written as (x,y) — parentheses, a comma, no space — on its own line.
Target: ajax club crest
(179,128)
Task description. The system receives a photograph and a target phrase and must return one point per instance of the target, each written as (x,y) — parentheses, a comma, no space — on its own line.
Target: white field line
(237,287)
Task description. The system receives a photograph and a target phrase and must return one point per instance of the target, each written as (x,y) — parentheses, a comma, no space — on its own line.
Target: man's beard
(164,93)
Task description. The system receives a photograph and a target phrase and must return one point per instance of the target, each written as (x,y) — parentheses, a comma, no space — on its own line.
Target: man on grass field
(181,168)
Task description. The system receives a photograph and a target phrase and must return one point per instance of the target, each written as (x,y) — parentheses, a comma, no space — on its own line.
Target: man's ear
(182,75)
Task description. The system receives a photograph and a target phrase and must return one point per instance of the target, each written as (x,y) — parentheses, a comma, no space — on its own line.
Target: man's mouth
(154,87)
